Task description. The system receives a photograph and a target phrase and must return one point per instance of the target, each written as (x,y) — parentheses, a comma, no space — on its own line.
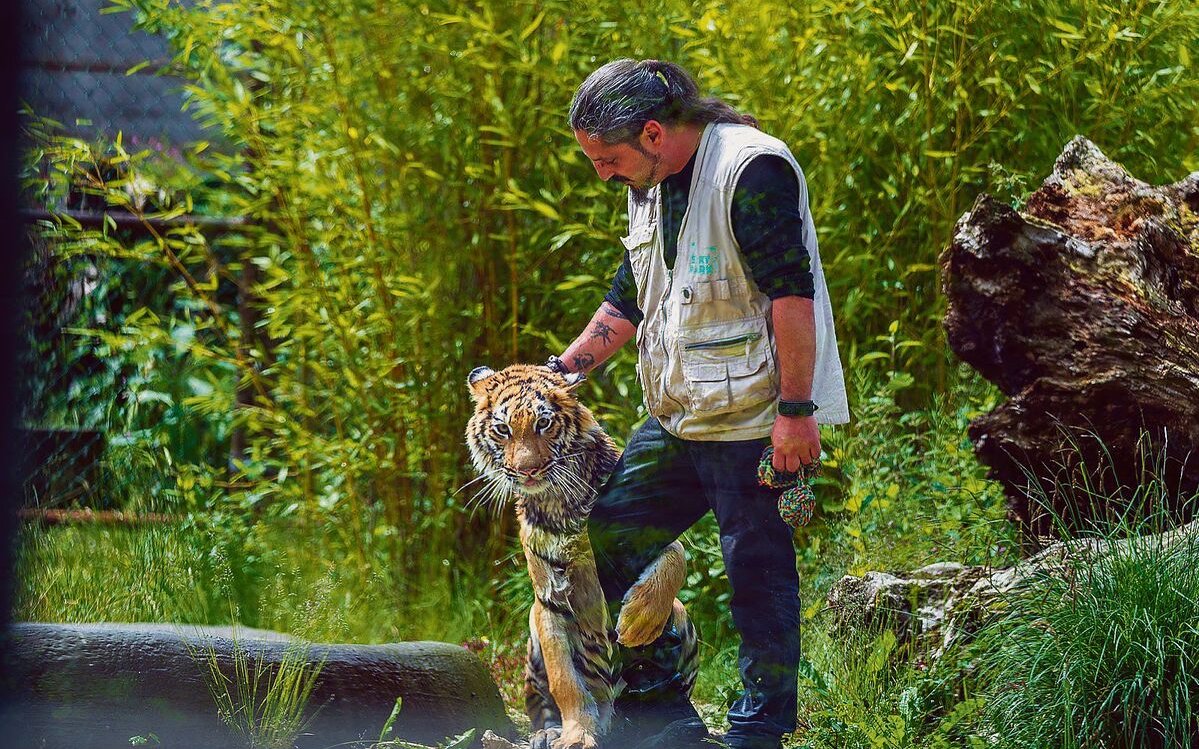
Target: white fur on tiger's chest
(553,545)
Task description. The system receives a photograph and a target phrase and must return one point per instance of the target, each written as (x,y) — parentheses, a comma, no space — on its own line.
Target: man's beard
(641,195)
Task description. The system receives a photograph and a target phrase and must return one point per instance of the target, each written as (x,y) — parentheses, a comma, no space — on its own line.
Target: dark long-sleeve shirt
(766,222)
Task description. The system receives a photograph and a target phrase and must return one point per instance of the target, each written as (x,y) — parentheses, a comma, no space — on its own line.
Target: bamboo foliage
(420,207)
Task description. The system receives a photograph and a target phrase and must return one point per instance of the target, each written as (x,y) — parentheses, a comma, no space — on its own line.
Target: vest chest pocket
(727,366)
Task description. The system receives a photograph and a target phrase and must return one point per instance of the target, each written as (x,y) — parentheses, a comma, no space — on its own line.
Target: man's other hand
(796,441)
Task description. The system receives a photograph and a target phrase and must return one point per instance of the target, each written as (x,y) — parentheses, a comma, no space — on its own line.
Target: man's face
(632,164)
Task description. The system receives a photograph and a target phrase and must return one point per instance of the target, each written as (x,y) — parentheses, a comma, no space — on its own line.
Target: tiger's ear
(574,379)
(475,381)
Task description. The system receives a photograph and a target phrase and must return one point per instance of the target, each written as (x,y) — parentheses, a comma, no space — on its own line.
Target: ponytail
(616,101)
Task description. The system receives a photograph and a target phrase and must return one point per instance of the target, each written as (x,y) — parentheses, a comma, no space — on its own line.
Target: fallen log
(94,686)
(1083,308)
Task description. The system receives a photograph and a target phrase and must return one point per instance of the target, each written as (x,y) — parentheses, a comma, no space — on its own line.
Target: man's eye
(502,430)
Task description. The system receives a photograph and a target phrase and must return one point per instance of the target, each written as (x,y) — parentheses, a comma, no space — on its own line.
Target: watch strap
(797,408)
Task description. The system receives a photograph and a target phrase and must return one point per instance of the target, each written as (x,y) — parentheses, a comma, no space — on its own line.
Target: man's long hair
(616,101)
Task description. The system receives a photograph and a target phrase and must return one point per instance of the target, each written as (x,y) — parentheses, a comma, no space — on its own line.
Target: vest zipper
(722,342)
(662,338)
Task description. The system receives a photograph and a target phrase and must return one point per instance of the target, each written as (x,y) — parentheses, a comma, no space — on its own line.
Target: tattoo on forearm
(612,311)
(583,361)
(603,330)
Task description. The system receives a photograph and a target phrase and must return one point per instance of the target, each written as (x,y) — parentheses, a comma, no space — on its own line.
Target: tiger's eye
(502,430)
(543,423)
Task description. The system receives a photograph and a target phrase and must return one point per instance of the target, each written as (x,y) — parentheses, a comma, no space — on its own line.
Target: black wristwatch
(797,408)
(554,364)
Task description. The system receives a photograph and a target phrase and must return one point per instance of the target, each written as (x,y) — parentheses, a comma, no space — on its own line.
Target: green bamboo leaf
(1060,24)
(574,282)
(533,26)
(558,51)
(545,209)
(873,355)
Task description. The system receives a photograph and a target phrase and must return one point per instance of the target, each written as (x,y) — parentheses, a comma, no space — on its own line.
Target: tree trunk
(1084,310)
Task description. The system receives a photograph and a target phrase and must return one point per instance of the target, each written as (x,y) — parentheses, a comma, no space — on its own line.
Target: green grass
(277,576)
(866,689)
(1105,656)
(87,573)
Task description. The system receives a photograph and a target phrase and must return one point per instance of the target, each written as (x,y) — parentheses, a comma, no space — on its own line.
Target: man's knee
(621,559)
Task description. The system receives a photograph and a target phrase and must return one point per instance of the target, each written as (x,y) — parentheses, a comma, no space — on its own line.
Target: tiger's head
(525,429)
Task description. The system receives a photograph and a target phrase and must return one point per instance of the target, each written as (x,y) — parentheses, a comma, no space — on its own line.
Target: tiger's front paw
(642,618)
(546,738)
(575,738)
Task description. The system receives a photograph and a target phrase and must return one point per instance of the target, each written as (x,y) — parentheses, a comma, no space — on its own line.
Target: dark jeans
(660,488)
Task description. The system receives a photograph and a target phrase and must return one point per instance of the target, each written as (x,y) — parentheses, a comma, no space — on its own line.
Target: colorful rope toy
(799,501)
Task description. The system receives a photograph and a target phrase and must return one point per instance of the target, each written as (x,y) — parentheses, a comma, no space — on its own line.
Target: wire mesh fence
(91,75)
(97,75)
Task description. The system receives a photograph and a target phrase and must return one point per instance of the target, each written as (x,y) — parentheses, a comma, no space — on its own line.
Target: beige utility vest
(707,358)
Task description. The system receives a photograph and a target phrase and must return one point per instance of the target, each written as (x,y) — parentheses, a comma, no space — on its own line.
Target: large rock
(942,604)
(1083,308)
(93,686)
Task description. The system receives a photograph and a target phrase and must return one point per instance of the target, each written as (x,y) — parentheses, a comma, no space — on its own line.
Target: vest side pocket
(727,366)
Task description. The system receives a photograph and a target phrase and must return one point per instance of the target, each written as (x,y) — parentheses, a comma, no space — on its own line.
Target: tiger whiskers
(495,494)
(475,480)
(565,478)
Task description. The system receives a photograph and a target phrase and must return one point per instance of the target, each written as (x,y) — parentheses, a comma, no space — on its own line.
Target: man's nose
(604,171)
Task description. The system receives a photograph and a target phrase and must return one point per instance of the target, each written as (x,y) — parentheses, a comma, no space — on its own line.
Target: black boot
(654,710)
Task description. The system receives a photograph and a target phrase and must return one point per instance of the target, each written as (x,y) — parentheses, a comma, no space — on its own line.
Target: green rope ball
(798,501)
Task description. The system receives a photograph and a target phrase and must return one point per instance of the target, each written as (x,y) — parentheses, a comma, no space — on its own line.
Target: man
(722,286)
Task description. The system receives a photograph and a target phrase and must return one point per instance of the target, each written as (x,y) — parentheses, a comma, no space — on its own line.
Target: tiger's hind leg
(544,718)
(649,603)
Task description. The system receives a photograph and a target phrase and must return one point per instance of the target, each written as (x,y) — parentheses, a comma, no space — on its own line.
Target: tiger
(533,442)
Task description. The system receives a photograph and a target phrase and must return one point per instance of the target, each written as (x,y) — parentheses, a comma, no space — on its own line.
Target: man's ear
(652,131)
(574,379)
(476,381)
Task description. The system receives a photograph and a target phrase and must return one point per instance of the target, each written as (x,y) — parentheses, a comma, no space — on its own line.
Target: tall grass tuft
(263,704)
(1104,655)
(1092,486)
